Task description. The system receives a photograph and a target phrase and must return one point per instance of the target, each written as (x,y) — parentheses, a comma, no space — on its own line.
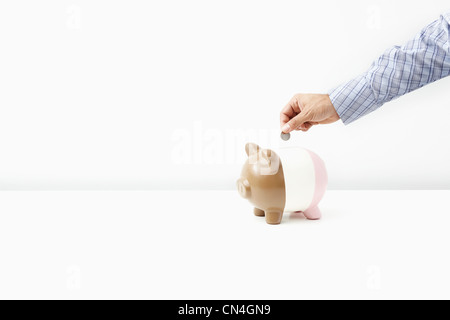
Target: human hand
(307,110)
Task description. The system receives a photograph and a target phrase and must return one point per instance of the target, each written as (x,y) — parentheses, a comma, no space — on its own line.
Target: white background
(113,95)
(125,245)
(164,94)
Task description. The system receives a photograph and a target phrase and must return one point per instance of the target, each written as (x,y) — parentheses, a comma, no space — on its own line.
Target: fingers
(289,111)
(299,121)
(307,110)
(284,119)
(306,126)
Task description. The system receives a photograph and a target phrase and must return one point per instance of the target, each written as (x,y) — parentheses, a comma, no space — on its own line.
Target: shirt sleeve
(399,70)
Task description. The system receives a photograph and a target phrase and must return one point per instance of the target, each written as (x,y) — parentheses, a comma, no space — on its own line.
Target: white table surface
(208,245)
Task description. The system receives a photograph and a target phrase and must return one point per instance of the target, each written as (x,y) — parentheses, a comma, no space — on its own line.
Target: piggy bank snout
(244,188)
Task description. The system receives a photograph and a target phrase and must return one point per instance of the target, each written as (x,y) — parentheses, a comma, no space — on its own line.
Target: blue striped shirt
(398,71)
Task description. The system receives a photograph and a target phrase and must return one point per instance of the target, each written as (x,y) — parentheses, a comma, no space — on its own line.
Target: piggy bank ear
(251,149)
(267,155)
(269,163)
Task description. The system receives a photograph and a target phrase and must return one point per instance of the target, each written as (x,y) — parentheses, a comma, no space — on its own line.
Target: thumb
(296,122)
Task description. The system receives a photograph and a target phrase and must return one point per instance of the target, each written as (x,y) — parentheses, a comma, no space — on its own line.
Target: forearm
(398,71)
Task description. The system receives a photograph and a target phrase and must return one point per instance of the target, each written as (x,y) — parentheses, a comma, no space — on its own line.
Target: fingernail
(286,128)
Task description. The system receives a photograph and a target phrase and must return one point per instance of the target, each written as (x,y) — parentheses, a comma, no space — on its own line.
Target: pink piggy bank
(284,180)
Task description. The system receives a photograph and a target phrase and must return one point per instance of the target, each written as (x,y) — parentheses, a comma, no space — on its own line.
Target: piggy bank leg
(274,217)
(259,212)
(313,213)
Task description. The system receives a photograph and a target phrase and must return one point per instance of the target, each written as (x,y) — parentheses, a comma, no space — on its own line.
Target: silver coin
(285,136)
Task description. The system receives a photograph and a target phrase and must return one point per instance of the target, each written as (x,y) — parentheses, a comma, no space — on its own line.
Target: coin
(285,136)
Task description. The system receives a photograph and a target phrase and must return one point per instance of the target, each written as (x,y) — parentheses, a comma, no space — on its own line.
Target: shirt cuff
(354,99)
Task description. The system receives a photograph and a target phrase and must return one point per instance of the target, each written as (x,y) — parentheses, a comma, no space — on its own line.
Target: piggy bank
(283,180)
